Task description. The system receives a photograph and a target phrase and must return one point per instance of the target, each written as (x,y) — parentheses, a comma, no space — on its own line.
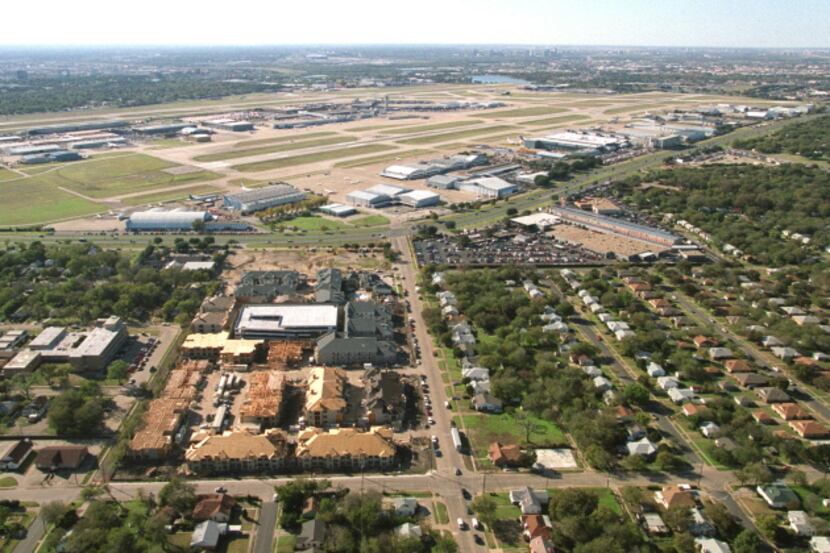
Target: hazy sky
(742,23)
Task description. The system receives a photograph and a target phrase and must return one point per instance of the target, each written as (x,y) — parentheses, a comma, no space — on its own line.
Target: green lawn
(556,120)
(29,201)
(278,139)
(810,500)
(483,429)
(303,159)
(6,174)
(8,482)
(441,514)
(285,543)
(433,127)
(315,223)
(370,221)
(274,148)
(525,112)
(606,497)
(112,176)
(448,136)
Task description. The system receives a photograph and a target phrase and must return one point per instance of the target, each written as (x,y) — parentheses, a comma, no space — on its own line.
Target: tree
(721,518)
(668,461)
(526,423)
(53,512)
(76,414)
(747,542)
(485,507)
(768,525)
(179,495)
(445,544)
(118,370)
(636,394)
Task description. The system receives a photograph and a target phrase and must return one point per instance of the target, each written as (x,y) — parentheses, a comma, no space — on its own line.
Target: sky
(711,23)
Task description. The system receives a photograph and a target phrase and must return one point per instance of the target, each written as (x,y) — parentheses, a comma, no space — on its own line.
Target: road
(264,541)
(33,536)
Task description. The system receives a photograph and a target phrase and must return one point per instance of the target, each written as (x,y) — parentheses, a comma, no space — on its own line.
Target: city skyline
(673,23)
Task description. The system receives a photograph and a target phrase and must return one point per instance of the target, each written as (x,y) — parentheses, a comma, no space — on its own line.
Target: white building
(488,187)
(162,219)
(419,198)
(258,199)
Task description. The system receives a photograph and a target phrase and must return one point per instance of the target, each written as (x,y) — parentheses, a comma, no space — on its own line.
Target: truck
(456,439)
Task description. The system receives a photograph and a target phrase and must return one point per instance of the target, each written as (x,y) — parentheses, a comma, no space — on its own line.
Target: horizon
(773,24)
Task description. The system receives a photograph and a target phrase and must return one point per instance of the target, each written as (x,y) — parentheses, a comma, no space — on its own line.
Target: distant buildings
(426,169)
(488,187)
(581,142)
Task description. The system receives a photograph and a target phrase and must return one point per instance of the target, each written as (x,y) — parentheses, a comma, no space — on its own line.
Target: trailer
(456,439)
(218,422)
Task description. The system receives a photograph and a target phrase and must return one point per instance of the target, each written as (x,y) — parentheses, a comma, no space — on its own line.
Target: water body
(498,79)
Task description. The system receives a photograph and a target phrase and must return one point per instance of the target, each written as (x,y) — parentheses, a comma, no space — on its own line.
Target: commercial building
(158,219)
(388,190)
(419,198)
(582,142)
(250,201)
(326,401)
(286,321)
(239,452)
(61,457)
(488,187)
(56,156)
(443,182)
(338,210)
(426,169)
(363,198)
(229,125)
(617,226)
(25,361)
(76,127)
(346,449)
(171,128)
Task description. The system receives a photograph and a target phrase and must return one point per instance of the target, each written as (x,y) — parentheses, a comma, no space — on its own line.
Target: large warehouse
(488,187)
(286,321)
(364,198)
(419,198)
(581,142)
(160,219)
(258,199)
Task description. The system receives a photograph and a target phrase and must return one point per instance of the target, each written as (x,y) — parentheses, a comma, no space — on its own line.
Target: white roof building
(286,320)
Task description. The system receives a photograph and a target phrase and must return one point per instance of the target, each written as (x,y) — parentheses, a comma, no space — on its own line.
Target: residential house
(654,525)
(773,395)
(710,429)
(312,535)
(750,380)
(405,506)
(504,455)
(700,526)
(61,457)
(642,447)
(778,496)
(206,535)
(720,353)
(820,544)
(535,526)
(666,383)
(540,544)
(15,453)
(695,410)
(407,530)
(810,430)
(784,353)
(671,497)
(530,501)
(215,507)
(680,396)
(762,417)
(734,366)
(791,411)
(654,370)
(799,523)
(486,402)
(711,545)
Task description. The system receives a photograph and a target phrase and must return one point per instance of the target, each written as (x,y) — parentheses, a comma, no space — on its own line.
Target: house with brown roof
(535,526)
(810,430)
(623,414)
(239,452)
(504,455)
(346,449)
(672,497)
(734,366)
(215,507)
(264,401)
(762,417)
(790,411)
(704,341)
(695,410)
(61,457)
(541,544)
(325,403)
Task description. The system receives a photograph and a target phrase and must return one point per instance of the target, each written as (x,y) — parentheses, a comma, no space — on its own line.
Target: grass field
(636,107)
(371,160)
(285,543)
(112,176)
(8,482)
(606,498)
(433,127)
(6,174)
(370,221)
(556,120)
(278,139)
(273,149)
(29,201)
(441,514)
(524,112)
(172,195)
(303,159)
(315,223)
(482,430)
(457,135)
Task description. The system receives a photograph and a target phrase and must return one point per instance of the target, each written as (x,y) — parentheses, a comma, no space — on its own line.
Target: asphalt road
(33,536)
(263,543)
